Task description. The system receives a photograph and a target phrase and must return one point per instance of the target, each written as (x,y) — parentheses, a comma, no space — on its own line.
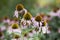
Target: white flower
(52,14)
(16,12)
(36,24)
(10,30)
(6,21)
(23,23)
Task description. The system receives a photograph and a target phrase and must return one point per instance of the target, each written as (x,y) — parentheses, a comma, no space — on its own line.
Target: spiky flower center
(19,7)
(15,26)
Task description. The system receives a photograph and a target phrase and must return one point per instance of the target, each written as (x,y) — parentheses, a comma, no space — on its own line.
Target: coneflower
(19,7)
(27,16)
(38,19)
(15,26)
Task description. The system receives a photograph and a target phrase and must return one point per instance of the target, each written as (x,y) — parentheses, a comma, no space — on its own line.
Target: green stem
(39,24)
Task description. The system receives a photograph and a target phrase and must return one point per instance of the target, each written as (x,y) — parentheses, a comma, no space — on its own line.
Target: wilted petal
(16,13)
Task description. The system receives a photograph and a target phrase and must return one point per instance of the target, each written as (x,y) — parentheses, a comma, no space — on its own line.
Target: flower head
(27,16)
(14,26)
(19,7)
(38,18)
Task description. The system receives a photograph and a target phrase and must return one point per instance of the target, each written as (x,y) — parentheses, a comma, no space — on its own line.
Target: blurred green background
(7,7)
